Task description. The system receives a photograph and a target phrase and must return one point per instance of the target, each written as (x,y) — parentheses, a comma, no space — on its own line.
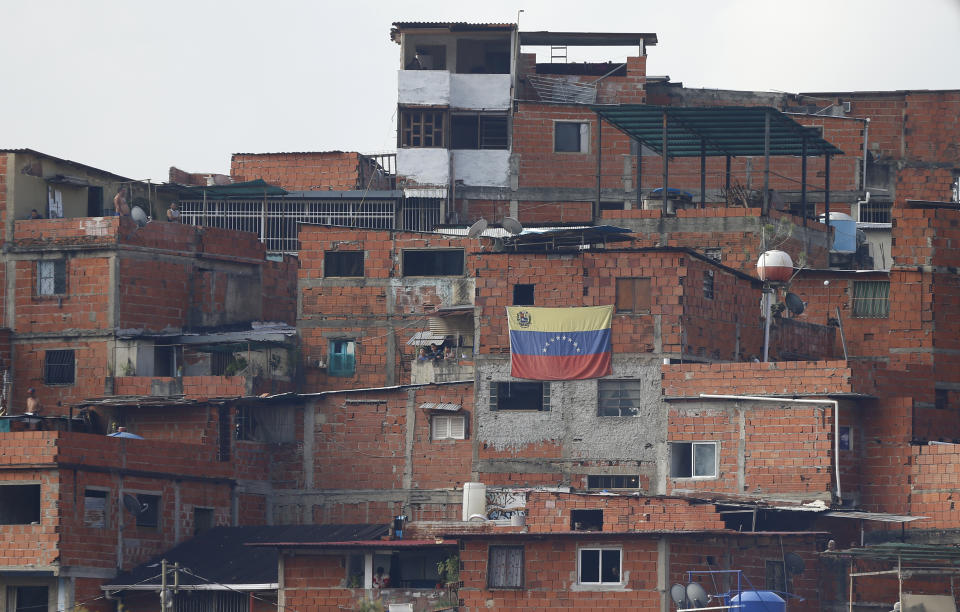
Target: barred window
(618,397)
(871,299)
(422,128)
(708,284)
(52,277)
(613,481)
(58,367)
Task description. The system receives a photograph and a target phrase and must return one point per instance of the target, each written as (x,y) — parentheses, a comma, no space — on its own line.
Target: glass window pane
(589,565)
(610,566)
(704,459)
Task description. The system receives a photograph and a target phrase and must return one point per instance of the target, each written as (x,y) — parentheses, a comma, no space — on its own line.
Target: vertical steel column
(766,163)
(596,208)
(826,190)
(728,180)
(703,174)
(803,179)
(639,174)
(665,153)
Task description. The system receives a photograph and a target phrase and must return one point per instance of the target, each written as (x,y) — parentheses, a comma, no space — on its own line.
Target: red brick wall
(335,170)
(84,306)
(90,372)
(935,486)
(711,327)
(31,544)
(550,513)
(791,377)
(279,286)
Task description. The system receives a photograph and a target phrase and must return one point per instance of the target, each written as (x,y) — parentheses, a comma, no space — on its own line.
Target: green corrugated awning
(250,189)
(715,130)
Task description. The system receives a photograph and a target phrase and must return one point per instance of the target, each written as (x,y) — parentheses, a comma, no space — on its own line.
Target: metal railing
(275,221)
(558,89)
(875,212)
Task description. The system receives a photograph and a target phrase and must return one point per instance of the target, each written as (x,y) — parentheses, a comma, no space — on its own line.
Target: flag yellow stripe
(587,318)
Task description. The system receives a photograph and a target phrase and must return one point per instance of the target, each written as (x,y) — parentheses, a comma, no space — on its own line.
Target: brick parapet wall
(751,378)
(551,513)
(309,171)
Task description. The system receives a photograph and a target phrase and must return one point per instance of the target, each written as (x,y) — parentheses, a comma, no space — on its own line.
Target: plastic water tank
(759,601)
(474,499)
(844,232)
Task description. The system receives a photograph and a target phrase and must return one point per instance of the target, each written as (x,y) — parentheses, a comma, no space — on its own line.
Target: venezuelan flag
(560,343)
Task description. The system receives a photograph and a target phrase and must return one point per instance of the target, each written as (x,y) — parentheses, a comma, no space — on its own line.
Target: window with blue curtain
(342,358)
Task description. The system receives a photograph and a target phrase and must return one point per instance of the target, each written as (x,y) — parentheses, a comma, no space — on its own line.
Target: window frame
(597,486)
(333,356)
(329,261)
(496,403)
(709,285)
(600,550)
(693,444)
(523,566)
(448,433)
(57,278)
(582,133)
(30,492)
(620,384)
(870,306)
(413,127)
(47,367)
(639,289)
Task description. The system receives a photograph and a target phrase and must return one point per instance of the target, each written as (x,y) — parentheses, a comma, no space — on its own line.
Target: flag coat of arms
(560,343)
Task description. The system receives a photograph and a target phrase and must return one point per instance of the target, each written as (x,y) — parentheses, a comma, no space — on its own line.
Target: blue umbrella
(125,434)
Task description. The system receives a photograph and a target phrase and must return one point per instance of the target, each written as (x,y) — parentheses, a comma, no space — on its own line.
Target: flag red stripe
(560,367)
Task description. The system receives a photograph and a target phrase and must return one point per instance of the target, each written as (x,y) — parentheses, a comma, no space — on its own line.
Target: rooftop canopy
(715,130)
(250,189)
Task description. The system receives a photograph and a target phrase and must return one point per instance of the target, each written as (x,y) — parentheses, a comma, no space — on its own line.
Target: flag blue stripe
(560,343)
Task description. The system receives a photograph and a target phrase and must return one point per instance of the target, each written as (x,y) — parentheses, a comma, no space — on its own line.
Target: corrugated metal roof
(424,338)
(588,39)
(876,516)
(451,26)
(67,161)
(892,551)
(441,407)
(716,130)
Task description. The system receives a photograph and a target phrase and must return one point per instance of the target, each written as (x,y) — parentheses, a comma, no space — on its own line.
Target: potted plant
(449,571)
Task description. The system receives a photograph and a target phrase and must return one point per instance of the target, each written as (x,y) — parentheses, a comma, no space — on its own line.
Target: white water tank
(844,232)
(474,499)
(774,266)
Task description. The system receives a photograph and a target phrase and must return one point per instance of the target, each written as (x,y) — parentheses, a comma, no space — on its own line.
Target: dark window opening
(30,599)
(586,520)
(202,520)
(149,510)
(523,295)
(941,399)
(519,396)
(619,397)
(708,284)
(568,137)
(612,205)
(52,277)
(58,367)
(429,57)
(693,459)
(245,426)
(95,508)
(633,295)
(94,201)
(436,262)
(483,56)
(505,567)
(166,359)
(871,299)
(599,566)
(224,439)
(19,504)
(422,128)
(470,131)
(219,362)
(343,263)
(613,481)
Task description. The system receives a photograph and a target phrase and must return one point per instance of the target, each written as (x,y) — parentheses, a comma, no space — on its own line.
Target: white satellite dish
(477,228)
(511,225)
(139,216)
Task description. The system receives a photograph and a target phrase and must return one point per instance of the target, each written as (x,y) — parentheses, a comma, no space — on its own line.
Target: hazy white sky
(135,87)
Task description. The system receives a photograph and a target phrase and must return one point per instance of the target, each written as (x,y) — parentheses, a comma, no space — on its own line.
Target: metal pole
(163,583)
(639,174)
(850,597)
(766,163)
(596,209)
(727,184)
(767,291)
(664,151)
(703,174)
(803,179)
(826,191)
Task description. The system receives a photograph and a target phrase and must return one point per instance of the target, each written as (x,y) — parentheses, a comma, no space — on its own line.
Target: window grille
(52,277)
(619,397)
(58,367)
